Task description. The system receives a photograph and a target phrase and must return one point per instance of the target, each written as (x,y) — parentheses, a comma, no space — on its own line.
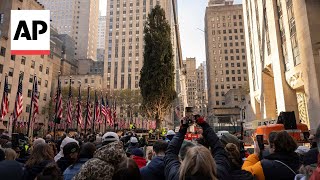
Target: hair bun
(230,147)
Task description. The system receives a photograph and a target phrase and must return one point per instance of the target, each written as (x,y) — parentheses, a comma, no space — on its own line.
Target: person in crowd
(2,155)
(4,139)
(282,164)
(48,138)
(11,170)
(310,157)
(133,143)
(104,162)
(10,154)
(109,137)
(86,153)
(70,156)
(65,141)
(316,173)
(50,172)
(186,145)
(127,170)
(40,157)
(236,162)
(198,162)
(170,134)
(149,156)
(38,141)
(53,147)
(137,155)
(155,169)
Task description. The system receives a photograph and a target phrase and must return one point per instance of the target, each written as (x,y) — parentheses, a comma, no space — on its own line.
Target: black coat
(172,163)
(311,157)
(273,169)
(154,170)
(63,163)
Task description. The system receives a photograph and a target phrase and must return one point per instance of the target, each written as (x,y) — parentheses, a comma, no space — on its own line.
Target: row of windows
(223,18)
(228,86)
(223,25)
(226,58)
(232,79)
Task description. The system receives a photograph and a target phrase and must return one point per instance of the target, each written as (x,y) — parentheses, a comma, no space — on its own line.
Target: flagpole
(79,95)
(94,111)
(31,103)
(56,113)
(106,117)
(67,126)
(86,121)
(15,109)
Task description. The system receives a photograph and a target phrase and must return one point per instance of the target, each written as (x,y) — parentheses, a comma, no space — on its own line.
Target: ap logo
(30,32)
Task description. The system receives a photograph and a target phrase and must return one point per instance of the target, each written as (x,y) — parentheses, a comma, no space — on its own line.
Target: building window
(29,92)
(40,67)
(3,51)
(13,57)
(45,83)
(1,68)
(216,87)
(11,72)
(28,108)
(217,103)
(33,63)
(239,78)
(217,94)
(45,96)
(31,78)
(233,79)
(236,98)
(1,18)
(47,70)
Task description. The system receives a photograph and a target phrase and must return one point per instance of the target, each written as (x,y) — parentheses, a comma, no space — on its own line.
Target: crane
(182,70)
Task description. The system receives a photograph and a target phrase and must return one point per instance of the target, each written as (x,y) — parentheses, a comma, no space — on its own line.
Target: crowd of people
(128,157)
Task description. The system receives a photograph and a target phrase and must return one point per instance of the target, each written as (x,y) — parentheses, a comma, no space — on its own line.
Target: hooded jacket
(154,170)
(102,165)
(32,172)
(63,143)
(141,162)
(271,166)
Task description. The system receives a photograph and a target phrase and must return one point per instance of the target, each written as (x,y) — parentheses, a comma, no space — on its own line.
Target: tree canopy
(157,74)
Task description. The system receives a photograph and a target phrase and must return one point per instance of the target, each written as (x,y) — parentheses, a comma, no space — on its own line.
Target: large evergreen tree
(157,74)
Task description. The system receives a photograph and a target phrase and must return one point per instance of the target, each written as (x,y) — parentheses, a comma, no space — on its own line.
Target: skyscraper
(79,19)
(225,51)
(124,40)
(283,54)
(102,32)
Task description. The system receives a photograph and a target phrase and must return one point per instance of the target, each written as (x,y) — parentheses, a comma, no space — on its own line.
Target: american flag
(103,109)
(115,112)
(79,108)
(89,114)
(97,109)
(109,112)
(18,107)
(69,108)
(35,99)
(5,101)
(58,103)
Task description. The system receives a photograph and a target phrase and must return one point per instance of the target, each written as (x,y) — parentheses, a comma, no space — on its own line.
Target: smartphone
(260,141)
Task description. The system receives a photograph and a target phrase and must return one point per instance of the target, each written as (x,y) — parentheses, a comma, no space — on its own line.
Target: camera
(190,118)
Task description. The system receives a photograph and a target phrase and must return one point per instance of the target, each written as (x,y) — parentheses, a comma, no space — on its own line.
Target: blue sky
(191,17)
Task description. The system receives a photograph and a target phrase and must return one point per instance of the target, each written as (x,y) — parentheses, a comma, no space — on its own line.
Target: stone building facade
(282,42)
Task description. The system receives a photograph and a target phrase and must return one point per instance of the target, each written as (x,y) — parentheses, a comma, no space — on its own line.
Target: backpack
(241,175)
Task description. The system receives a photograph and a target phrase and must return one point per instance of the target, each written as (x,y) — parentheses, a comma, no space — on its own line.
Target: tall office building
(225,51)
(283,58)
(124,40)
(79,19)
(102,32)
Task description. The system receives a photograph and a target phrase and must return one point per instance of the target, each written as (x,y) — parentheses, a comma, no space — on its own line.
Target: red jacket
(316,172)
(141,162)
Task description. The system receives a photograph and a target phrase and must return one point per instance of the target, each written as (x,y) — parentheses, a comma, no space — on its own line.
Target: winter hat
(71,148)
(110,137)
(63,143)
(171,133)
(229,138)
(38,141)
(136,152)
(133,140)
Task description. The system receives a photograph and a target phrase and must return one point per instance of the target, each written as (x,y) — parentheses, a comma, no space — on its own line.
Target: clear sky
(191,17)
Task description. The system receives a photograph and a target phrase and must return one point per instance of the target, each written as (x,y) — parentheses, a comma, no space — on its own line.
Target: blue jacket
(154,170)
(72,170)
